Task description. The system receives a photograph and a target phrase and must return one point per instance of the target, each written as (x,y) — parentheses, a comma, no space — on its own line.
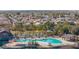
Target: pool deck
(41,44)
(66,42)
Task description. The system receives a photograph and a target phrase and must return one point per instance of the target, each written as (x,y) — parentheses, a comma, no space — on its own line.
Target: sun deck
(38,44)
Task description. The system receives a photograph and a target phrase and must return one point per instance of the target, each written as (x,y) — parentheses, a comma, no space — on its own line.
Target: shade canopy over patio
(5,37)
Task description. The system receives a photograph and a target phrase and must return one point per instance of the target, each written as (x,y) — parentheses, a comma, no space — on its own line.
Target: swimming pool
(48,40)
(51,40)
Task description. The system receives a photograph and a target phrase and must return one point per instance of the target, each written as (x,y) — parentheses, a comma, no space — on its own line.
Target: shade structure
(5,37)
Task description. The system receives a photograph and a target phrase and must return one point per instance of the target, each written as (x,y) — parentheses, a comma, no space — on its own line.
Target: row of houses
(44,18)
(28,19)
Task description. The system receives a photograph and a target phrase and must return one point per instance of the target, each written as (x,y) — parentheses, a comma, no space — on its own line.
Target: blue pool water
(49,40)
(23,40)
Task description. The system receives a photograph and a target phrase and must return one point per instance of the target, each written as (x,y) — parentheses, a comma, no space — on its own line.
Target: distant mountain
(37,11)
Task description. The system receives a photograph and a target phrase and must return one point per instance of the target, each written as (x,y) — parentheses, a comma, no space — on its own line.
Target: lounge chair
(44,45)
